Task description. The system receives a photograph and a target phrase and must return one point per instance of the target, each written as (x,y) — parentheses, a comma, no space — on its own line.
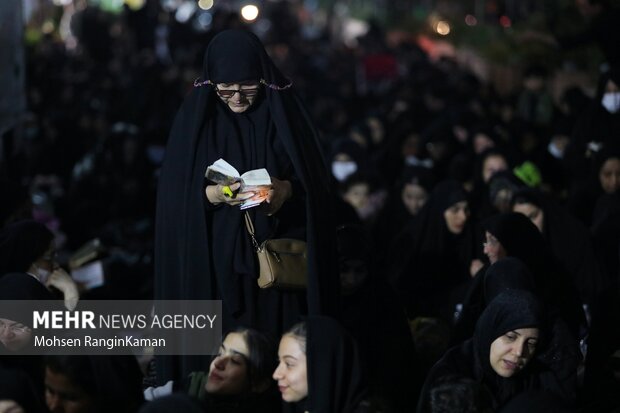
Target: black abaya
(203,251)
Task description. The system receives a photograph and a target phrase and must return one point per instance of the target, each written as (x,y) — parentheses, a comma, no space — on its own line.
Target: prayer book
(256,180)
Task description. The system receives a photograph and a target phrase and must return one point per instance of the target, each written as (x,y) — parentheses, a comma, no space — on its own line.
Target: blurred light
(185,12)
(61,2)
(135,4)
(505,21)
(205,4)
(170,5)
(442,28)
(47,27)
(203,21)
(249,12)
(471,20)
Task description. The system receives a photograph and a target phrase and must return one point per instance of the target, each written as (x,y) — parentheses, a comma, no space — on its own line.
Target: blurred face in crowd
(493,164)
(414,197)
(291,373)
(456,217)
(63,396)
(238,96)
(353,272)
(531,211)
(609,175)
(228,373)
(493,249)
(14,336)
(482,142)
(511,352)
(357,195)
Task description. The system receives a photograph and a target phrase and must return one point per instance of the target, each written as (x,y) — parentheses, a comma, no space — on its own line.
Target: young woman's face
(456,217)
(493,249)
(291,373)
(63,396)
(228,373)
(511,352)
(238,96)
(357,195)
(531,211)
(492,165)
(609,175)
(414,197)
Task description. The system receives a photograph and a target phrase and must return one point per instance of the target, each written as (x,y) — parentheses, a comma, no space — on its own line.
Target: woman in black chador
(244,111)
(502,356)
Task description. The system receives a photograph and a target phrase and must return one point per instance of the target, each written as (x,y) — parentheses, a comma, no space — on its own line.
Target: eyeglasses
(245,93)
(14,327)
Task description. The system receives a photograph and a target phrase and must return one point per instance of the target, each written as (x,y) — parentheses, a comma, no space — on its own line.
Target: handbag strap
(250,227)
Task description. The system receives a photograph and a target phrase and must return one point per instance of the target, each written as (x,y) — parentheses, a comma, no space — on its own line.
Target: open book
(256,180)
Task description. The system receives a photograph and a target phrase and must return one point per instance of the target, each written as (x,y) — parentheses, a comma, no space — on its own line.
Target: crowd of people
(463,245)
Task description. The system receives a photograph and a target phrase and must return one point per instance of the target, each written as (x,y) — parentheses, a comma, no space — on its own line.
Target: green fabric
(197,383)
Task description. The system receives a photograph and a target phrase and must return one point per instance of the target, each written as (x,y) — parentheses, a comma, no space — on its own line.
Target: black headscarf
(570,242)
(435,260)
(336,381)
(21,244)
(203,251)
(510,310)
(17,386)
(522,239)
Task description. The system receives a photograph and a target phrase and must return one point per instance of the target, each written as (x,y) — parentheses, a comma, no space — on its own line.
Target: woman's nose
(220,362)
(277,374)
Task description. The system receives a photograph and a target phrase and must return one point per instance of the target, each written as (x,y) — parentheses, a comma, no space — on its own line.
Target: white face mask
(611,102)
(42,274)
(343,169)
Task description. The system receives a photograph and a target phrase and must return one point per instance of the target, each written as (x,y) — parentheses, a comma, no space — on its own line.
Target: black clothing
(431,263)
(509,311)
(203,251)
(570,242)
(21,244)
(522,239)
(336,381)
(173,403)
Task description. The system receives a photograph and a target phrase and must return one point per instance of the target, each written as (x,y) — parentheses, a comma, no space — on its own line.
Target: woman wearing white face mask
(596,129)
(27,257)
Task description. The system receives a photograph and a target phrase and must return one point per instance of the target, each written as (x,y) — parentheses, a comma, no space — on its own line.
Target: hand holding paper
(246,190)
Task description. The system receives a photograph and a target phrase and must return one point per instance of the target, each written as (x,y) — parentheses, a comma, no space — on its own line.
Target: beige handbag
(282,261)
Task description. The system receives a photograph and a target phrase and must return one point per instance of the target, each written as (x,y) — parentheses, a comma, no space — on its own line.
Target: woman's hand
(65,284)
(9,406)
(218,194)
(475,266)
(280,192)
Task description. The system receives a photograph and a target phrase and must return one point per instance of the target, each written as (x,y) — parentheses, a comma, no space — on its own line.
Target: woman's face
(531,211)
(238,96)
(609,175)
(14,336)
(357,195)
(493,249)
(511,352)
(456,217)
(228,373)
(291,373)
(63,396)
(414,197)
(492,165)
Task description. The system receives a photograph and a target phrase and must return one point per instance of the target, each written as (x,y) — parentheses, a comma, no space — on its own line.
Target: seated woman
(28,262)
(239,377)
(320,369)
(93,384)
(430,260)
(501,355)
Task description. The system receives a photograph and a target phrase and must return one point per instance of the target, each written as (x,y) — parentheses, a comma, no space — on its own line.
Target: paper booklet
(256,180)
